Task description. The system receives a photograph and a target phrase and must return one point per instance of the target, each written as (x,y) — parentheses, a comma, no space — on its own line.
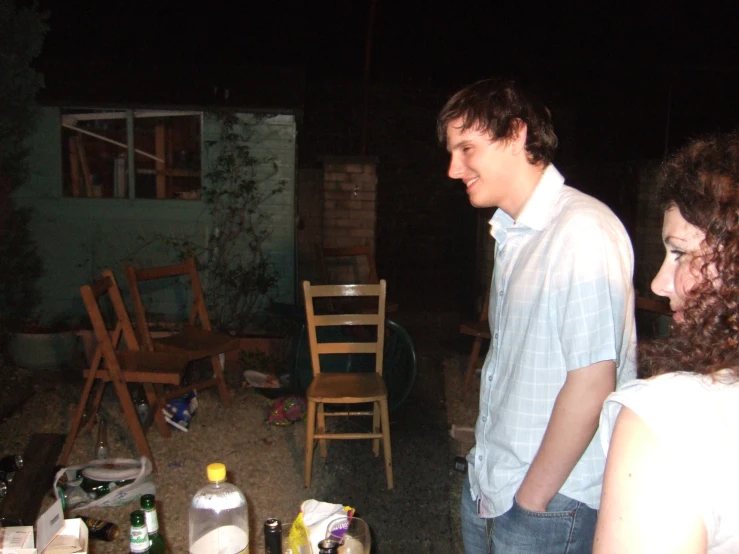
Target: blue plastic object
(398,367)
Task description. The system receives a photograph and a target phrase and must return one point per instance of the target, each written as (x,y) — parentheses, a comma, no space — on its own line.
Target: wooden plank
(160,152)
(32,482)
(74,165)
(85,167)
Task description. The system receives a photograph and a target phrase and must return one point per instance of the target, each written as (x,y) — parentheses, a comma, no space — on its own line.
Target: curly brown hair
(498,107)
(702,181)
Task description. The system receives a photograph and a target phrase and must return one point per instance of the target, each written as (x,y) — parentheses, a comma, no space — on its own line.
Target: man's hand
(531,503)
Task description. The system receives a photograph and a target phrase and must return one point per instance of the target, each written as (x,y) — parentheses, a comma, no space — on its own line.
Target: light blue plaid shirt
(562,298)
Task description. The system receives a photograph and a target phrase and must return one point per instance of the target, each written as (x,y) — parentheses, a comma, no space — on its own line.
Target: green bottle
(138,542)
(156,540)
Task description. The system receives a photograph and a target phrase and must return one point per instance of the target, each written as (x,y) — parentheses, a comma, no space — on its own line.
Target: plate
(261,380)
(112,472)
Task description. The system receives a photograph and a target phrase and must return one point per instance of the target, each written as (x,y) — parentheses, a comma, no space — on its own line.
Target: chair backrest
(198,311)
(375,319)
(108,340)
(358,252)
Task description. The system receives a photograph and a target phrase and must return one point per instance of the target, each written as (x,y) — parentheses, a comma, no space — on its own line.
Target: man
(562,326)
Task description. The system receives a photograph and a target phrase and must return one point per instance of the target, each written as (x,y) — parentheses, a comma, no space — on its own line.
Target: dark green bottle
(156,540)
(138,542)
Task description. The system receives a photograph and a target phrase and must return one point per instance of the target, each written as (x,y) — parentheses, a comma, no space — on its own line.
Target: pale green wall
(77,237)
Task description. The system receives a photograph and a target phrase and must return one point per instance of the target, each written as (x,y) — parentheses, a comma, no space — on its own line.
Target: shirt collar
(538,211)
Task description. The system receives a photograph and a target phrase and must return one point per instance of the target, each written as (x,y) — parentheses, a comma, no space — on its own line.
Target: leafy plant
(22,33)
(238,276)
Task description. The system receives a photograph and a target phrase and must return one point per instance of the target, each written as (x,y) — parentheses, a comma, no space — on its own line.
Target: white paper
(49,524)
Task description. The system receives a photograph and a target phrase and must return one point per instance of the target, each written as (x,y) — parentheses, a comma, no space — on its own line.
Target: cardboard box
(54,535)
(17,540)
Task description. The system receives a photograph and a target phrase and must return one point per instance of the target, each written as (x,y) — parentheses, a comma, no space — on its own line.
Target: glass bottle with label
(99,528)
(138,542)
(156,539)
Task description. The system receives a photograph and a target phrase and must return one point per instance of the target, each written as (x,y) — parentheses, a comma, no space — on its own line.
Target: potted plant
(39,345)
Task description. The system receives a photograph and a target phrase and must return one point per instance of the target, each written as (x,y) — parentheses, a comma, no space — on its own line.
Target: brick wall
(349,212)
(337,208)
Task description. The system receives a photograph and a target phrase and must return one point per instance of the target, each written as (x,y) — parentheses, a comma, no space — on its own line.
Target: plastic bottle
(219,519)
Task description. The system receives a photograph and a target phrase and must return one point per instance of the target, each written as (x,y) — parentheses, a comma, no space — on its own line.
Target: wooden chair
(194,341)
(132,365)
(480,330)
(338,257)
(347,388)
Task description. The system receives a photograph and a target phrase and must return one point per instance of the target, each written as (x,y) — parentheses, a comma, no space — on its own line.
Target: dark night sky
(594,60)
(415,38)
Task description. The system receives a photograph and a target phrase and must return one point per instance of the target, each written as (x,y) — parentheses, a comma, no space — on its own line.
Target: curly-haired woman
(672,476)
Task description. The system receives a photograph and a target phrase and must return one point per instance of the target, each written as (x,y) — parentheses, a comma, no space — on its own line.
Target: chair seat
(197,342)
(148,367)
(347,388)
(479,329)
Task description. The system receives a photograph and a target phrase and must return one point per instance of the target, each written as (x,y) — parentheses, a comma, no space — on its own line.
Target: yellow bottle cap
(216,472)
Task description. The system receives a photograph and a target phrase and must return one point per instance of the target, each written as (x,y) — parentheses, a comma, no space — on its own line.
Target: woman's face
(680,270)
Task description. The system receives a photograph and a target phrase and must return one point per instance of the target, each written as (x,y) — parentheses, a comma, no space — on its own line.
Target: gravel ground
(265,461)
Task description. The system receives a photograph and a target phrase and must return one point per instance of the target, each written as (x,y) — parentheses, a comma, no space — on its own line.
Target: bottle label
(152,521)
(139,539)
(94,524)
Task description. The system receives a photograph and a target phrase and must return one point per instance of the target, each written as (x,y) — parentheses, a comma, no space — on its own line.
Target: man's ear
(518,138)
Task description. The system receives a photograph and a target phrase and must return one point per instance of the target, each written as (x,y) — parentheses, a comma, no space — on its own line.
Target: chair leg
(132,417)
(322,429)
(309,431)
(472,365)
(385,417)
(74,430)
(376,427)
(222,388)
(153,395)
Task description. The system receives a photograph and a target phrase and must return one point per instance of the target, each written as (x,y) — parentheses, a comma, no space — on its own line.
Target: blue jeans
(567,527)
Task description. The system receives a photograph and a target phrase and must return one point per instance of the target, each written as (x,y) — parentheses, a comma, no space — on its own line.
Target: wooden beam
(74,165)
(32,481)
(111,141)
(160,152)
(85,166)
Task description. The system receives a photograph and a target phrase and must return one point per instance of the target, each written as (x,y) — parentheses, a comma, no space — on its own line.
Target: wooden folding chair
(347,388)
(194,341)
(480,330)
(132,365)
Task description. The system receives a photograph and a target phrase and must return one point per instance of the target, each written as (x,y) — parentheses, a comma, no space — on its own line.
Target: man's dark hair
(498,107)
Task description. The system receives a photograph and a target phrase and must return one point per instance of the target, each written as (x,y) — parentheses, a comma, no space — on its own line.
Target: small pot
(43,350)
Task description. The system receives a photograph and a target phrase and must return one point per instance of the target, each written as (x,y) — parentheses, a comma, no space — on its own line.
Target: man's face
(484,166)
